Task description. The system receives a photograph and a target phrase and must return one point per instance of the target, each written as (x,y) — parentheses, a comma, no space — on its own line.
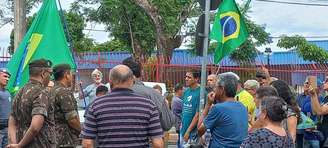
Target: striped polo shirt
(122,119)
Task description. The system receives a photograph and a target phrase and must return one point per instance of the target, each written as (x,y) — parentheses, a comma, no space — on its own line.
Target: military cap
(5,70)
(42,63)
(61,67)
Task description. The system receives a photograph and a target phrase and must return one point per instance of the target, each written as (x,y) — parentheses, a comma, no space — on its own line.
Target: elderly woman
(273,112)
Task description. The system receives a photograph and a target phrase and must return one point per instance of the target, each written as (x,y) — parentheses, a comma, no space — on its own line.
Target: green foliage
(120,17)
(113,45)
(304,49)
(169,10)
(11,42)
(126,20)
(75,24)
(257,37)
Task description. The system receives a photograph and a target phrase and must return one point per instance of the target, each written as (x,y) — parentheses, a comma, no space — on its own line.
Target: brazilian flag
(45,39)
(229,29)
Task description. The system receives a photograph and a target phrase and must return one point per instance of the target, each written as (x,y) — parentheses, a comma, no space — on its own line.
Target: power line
(99,30)
(193,33)
(294,3)
(314,37)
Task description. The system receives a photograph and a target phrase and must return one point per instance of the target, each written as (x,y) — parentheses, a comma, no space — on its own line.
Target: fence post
(99,62)
(157,68)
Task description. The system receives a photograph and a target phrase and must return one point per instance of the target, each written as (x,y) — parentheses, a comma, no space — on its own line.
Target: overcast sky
(278,18)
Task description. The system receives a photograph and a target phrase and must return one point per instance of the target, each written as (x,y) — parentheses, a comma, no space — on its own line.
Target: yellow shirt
(248,101)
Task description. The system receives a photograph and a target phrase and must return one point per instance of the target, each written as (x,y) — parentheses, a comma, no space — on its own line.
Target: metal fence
(292,71)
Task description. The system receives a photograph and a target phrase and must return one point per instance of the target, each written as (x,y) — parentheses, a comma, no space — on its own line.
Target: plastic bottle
(207,138)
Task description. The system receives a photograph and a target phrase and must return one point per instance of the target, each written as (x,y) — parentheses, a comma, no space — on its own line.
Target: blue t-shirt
(304,102)
(5,105)
(191,98)
(228,122)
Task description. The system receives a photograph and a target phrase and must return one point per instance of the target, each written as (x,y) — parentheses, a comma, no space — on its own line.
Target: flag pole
(72,51)
(204,60)
(20,71)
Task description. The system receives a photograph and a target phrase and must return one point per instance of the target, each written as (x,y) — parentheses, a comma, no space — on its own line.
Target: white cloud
(98,36)
(5,35)
(290,19)
(278,18)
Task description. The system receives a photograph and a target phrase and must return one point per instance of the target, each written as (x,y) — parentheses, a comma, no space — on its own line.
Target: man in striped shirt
(122,118)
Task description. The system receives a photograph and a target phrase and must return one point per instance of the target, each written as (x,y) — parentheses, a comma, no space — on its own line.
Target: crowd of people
(261,112)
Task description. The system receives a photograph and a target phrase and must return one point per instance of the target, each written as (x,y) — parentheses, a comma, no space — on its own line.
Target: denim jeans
(311,143)
(193,138)
(3,138)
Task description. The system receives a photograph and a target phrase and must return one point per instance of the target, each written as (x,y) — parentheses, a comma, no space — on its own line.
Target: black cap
(42,63)
(5,70)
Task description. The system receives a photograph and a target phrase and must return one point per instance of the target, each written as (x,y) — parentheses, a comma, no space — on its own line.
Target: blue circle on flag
(229,25)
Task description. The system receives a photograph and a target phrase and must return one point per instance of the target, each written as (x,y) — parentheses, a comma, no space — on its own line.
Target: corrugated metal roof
(185,57)
(321,43)
(100,59)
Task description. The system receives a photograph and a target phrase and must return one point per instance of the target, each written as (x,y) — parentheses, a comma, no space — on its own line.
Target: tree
(75,24)
(143,25)
(247,52)
(257,37)
(113,45)
(304,49)
(7,10)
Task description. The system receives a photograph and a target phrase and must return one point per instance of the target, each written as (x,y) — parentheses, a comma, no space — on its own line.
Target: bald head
(121,75)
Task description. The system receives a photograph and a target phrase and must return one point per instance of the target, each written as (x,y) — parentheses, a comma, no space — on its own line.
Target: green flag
(229,29)
(45,39)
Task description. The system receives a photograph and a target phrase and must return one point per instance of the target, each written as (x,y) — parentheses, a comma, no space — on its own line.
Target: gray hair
(229,82)
(233,74)
(120,74)
(213,75)
(252,84)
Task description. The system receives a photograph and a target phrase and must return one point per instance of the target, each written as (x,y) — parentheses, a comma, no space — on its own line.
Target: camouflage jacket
(65,110)
(32,99)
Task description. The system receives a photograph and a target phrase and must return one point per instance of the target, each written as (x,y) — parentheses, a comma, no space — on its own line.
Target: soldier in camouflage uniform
(31,122)
(66,115)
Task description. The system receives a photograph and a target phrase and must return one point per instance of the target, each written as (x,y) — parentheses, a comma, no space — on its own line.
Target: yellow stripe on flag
(33,45)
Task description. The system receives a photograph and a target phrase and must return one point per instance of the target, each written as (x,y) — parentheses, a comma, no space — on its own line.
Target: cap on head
(41,63)
(252,84)
(5,70)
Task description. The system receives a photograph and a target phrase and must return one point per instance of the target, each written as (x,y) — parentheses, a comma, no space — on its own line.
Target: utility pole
(19,22)
(204,58)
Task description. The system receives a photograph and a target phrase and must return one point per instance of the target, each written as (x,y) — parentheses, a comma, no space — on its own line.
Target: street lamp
(268,52)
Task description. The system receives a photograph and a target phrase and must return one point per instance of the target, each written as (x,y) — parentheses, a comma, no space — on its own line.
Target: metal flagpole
(204,60)
(70,47)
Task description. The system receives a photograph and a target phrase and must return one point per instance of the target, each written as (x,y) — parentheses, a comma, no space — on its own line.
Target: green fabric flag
(45,39)
(229,29)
